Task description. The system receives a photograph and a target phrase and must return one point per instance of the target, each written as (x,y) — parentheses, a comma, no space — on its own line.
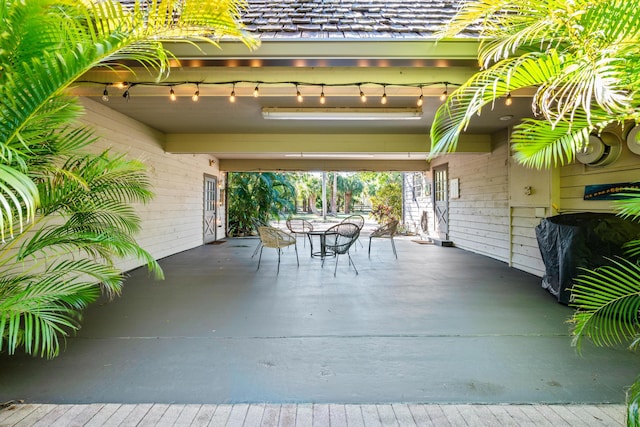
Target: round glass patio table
(319,252)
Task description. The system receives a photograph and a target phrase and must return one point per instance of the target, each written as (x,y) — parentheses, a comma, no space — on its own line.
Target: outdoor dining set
(324,243)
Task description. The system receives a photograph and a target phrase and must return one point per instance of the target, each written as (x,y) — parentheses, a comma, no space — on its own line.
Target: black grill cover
(570,241)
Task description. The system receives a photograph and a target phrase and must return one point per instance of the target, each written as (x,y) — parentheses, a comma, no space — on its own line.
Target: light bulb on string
(420,98)
(256,91)
(363,97)
(232,96)
(172,94)
(298,94)
(322,97)
(196,94)
(508,101)
(125,94)
(445,93)
(383,100)
(105,94)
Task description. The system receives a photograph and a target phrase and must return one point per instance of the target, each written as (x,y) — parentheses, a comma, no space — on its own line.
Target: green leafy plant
(582,58)
(387,203)
(257,197)
(65,215)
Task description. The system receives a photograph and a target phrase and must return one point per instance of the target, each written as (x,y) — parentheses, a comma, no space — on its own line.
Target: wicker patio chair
(256,224)
(338,239)
(272,237)
(299,226)
(357,220)
(386,231)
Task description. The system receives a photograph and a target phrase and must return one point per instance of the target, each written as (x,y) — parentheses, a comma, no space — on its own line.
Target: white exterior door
(441,201)
(210,208)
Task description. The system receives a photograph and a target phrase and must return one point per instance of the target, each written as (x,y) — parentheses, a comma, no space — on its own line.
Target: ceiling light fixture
(298,94)
(508,101)
(105,94)
(232,96)
(323,100)
(444,94)
(363,97)
(172,94)
(256,91)
(196,94)
(383,100)
(276,113)
(420,98)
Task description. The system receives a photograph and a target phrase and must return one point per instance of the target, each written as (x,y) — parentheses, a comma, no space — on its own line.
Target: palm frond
(52,43)
(608,302)
(18,198)
(484,88)
(539,144)
(39,308)
(633,404)
(629,206)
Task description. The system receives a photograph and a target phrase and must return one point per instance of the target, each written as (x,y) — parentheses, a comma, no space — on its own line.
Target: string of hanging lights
(359,89)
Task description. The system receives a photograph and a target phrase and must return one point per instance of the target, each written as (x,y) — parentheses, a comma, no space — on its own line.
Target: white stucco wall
(173,221)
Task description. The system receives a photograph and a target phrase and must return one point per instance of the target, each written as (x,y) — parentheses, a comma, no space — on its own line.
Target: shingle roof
(349,19)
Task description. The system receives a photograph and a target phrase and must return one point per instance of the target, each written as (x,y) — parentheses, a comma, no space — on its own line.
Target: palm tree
(351,186)
(582,57)
(66,214)
(257,197)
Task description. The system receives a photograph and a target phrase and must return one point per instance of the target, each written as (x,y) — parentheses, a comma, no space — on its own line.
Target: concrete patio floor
(438,325)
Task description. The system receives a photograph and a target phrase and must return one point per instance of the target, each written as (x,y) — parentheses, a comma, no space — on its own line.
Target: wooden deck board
(100,418)
(52,416)
(287,416)
(354,415)
(305,415)
(170,416)
(387,416)
(254,415)
(420,415)
(437,415)
(320,415)
(221,416)
(403,415)
(28,417)
(370,416)
(271,416)
(69,417)
(337,415)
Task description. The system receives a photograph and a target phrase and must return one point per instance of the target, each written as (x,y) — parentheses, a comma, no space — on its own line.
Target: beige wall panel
(173,221)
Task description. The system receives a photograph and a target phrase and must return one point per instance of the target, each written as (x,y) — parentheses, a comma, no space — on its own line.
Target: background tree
(351,186)
(307,188)
(583,59)
(334,194)
(65,213)
(387,203)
